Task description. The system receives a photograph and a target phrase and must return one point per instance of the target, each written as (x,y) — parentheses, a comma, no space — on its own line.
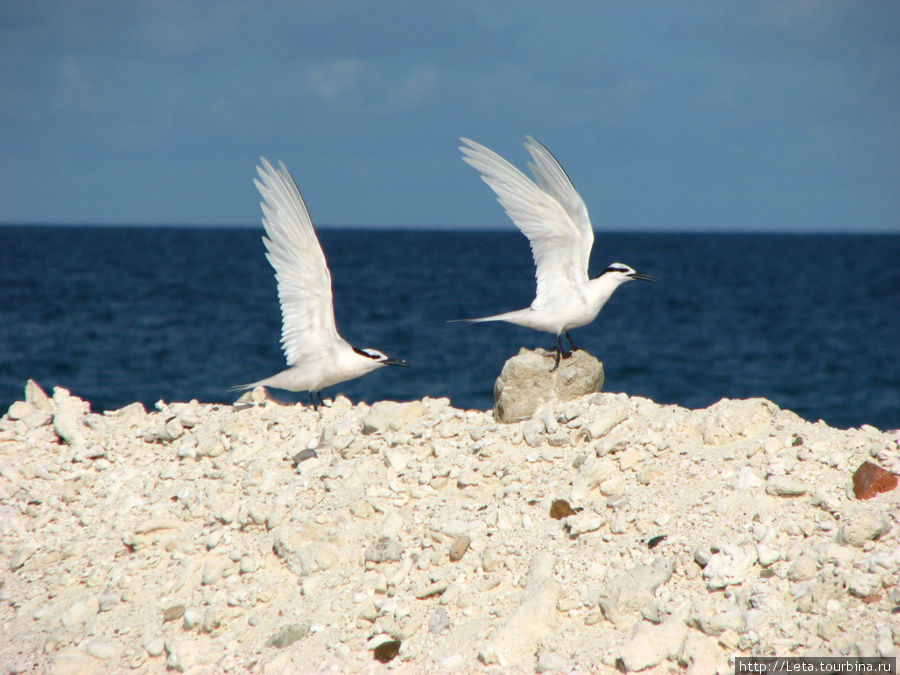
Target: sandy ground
(604,533)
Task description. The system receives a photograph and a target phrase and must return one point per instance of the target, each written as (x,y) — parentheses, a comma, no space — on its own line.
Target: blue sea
(123,314)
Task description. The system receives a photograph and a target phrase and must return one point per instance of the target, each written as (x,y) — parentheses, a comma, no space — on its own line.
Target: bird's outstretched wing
(549,212)
(550,175)
(308,329)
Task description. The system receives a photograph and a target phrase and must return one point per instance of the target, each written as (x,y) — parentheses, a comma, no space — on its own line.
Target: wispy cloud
(340,79)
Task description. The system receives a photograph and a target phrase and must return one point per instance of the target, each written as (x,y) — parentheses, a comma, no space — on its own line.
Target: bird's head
(380,357)
(620,273)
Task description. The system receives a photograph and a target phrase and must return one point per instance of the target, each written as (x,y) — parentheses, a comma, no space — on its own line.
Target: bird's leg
(559,353)
(313,401)
(553,354)
(559,347)
(321,402)
(571,343)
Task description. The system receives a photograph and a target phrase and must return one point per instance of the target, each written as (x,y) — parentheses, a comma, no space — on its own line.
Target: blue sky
(763,115)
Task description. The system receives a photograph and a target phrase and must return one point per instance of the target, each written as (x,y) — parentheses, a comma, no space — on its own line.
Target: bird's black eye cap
(627,271)
(366,354)
(388,361)
(614,268)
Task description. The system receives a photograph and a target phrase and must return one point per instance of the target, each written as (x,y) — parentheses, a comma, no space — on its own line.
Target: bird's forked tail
(511,317)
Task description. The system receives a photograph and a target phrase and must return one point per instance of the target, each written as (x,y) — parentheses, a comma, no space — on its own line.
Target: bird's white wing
(550,175)
(308,329)
(537,210)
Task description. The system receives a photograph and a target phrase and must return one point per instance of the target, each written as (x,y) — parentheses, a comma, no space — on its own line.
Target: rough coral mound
(265,537)
(529,380)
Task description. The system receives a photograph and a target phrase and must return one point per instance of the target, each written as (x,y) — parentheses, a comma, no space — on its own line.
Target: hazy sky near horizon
(755,115)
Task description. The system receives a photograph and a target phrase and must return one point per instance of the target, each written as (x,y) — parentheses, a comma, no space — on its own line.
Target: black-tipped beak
(643,277)
(395,362)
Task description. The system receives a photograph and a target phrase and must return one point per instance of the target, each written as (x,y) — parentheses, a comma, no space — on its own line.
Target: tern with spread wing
(317,356)
(553,216)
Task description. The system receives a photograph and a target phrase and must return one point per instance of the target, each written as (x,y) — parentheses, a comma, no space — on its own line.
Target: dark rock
(560,509)
(303,455)
(870,479)
(386,651)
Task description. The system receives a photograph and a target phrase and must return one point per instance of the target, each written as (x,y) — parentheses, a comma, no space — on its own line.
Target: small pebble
(384,550)
(459,547)
(466,478)
(803,568)
(173,613)
(386,651)
(109,600)
(490,559)
(303,455)
(560,509)
(103,650)
(155,646)
(861,526)
(870,480)
(213,569)
(783,486)
(439,621)
(436,588)
(288,635)
(191,619)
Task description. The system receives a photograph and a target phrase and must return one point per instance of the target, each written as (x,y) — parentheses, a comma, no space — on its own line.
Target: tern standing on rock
(317,356)
(553,216)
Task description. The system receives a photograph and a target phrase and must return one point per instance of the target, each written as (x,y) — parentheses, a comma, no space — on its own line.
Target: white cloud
(337,79)
(418,86)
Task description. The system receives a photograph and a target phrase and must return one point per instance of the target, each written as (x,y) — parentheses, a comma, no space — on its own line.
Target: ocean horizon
(118,314)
